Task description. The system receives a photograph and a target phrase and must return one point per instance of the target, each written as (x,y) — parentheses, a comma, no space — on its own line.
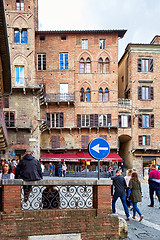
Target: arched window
(82,95)
(100,65)
(88,95)
(100,95)
(106,65)
(20,36)
(82,67)
(88,66)
(106,95)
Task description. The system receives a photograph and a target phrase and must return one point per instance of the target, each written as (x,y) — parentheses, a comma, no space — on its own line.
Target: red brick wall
(93,224)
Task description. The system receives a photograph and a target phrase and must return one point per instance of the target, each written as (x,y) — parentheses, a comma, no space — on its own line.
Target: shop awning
(80,156)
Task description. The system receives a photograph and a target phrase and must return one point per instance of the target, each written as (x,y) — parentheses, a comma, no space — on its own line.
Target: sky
(141,18)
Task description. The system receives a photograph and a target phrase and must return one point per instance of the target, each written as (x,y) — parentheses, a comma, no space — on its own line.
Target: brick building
(139,85)
(5,75)
(22,108)
(64,87)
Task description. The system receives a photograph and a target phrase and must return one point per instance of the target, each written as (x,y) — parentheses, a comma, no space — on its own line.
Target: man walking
(28,169)
(119,184)
(154,184)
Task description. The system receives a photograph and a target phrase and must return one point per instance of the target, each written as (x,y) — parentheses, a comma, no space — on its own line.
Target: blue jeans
(151,193)
(136,209)
(123,200)
(59,172)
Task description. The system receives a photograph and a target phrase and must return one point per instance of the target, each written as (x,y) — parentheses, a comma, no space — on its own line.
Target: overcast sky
(141,18)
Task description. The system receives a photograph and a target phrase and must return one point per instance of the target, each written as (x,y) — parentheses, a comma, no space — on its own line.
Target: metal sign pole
(98,169)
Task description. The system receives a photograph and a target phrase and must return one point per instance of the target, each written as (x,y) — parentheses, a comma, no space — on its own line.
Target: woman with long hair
(6,172)
(136,194)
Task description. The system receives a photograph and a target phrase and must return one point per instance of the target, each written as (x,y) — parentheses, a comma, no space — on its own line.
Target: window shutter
(151,65)
(83,142)
(48,119)
(61,119)
(56,142)
(92,120)
(119,121)
(78,120)
(139,64)
(96,120)
(140,120)
(129,121)
(87,141)
(109,120)
(151,92)
(140,140)
(147,140)
(151,120)
(139,93)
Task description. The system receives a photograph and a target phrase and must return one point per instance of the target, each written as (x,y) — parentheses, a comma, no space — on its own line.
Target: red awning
(80,156)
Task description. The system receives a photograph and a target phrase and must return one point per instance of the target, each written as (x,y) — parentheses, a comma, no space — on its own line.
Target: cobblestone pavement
(149,228)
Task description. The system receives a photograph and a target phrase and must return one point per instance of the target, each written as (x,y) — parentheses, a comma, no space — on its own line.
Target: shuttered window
(144,140)
(20,139)
(55,120)
(145,65)
(145,93)
(84,142)
(145,120)
(93,120)
(124,121)
(41,58)
(55,142)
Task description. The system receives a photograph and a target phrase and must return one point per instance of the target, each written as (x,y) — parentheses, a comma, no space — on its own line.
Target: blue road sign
(12,154)
(99,148)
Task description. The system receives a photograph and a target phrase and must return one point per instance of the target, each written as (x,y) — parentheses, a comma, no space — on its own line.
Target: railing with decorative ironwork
(53,194)
(60,97)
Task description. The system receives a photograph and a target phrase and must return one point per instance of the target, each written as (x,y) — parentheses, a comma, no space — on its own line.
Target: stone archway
(125,147)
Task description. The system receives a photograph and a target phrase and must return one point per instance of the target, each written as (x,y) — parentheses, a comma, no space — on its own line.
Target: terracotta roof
(121,33)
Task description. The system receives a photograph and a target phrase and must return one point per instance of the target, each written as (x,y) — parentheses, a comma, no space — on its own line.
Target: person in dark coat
(136,194)
(50,197)
(119,184)
(28,169)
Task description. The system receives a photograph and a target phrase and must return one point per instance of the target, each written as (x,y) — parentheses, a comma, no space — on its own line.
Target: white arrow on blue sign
(99,148)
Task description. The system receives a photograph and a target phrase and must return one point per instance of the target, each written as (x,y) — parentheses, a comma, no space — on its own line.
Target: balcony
(19,124)
(60,97)
(124,102)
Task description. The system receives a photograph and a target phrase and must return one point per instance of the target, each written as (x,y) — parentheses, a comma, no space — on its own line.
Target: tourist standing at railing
(28,169)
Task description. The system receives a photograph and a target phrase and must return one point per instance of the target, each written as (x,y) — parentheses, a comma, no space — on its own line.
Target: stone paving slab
(74,236)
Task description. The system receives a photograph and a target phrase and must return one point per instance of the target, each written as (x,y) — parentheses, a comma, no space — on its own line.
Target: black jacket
(29,169)
(119,184)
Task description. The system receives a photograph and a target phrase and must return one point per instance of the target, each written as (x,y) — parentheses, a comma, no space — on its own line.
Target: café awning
(80,156)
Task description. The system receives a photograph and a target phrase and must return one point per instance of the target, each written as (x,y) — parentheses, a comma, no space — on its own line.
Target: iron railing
(60,97)
(62,197)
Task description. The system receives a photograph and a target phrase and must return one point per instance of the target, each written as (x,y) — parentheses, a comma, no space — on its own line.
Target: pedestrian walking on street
(154,184)
(59,169)
(64,168)
(128,190)
(136,194)
(119,184)
(50,169)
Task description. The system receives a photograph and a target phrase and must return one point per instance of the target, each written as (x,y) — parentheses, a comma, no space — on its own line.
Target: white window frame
(102,120)
(19,80)
(145,93)
(84,43)
(85,120)
(42,61)
(124,121)
(54,120)
(102,43)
